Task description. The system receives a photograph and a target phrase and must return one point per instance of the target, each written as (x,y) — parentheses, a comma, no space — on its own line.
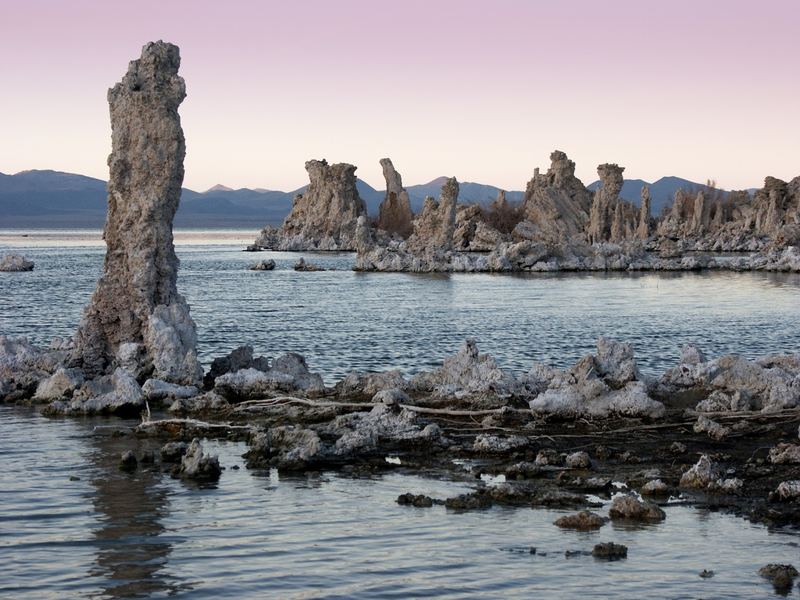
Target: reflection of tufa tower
(136,316)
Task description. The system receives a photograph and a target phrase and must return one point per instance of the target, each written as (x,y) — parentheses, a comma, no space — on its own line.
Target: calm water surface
(114,535)
(341,320)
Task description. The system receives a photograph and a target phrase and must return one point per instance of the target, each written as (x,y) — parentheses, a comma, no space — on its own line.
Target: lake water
(258,535)
(342,320)
(109,534)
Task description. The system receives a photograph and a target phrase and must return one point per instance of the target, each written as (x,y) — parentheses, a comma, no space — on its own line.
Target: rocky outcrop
(136,309)
(557,204)
(471,377)
(24,366)
(733,383)
(472,232)
(598,385)
(14,263)
(435,225)
(288,374)
(395,214)
(324,216)
(643,228)
(116,394)
(611,219)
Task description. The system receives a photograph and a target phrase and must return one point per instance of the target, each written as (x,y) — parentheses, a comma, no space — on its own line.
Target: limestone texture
(136,300)
(324,216)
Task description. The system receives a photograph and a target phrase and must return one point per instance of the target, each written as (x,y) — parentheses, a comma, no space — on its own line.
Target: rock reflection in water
(133,546)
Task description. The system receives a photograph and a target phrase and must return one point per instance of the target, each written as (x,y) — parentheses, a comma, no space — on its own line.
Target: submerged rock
(136,300)
(418,500)
(473,501)
(610,551)
(302,265)
(14,263)
(199,466)
(128,461)
(263,265)
(781,576)
(583,521)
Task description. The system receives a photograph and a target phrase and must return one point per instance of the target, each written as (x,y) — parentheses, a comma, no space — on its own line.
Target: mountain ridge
(49,198)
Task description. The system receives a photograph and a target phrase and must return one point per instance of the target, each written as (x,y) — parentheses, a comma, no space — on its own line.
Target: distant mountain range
(55,199)
(662,192)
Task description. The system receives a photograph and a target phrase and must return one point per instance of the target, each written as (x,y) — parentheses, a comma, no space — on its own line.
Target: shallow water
(116,535)
(342,320)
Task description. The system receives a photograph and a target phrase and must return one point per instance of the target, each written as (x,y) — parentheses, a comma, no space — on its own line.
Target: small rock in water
(172,452)
(583,521)
(706,574)
(781,576)
(630,508)
(128,462)
(418,500)
(473,501)
(199,466)
(302,265)
(610,551)
(263,265)
(14,263)
(74,478)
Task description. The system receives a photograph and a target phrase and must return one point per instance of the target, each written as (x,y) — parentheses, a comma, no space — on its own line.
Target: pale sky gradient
(480,90)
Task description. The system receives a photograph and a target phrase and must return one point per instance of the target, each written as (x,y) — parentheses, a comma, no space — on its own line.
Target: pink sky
(480,90)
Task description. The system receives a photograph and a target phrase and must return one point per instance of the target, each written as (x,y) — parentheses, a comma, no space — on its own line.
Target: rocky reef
(324,216)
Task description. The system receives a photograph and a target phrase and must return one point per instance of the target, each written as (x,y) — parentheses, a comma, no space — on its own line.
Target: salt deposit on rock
(288,373)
